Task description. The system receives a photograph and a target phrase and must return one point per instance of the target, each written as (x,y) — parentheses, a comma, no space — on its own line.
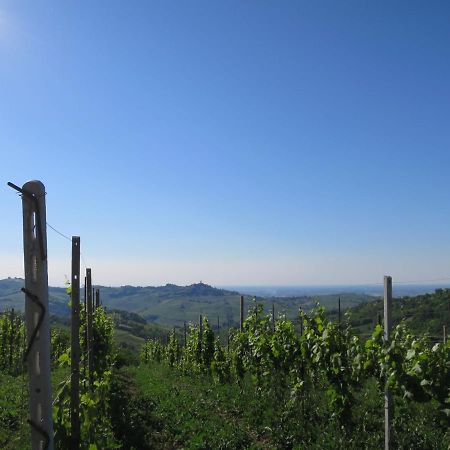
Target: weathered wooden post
(242,314)
(75,346)
(37,352)
(339,312)
(388,404)
(90,337)
(85,349)
(301,321)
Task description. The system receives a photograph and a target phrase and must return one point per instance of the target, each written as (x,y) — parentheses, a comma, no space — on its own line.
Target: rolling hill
(171,305)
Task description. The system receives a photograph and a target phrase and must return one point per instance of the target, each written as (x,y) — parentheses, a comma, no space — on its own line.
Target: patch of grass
(197,415)
(14,409)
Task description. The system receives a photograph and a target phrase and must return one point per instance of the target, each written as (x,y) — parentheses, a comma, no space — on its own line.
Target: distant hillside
(423,313)
(12,297)
(171,305)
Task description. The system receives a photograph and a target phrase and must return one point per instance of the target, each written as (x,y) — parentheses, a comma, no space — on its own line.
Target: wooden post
(90,340)
(242,313)
(388,403)
(301,322)
(37,314)
(75,346)
(218,326)
(200,324)
(444,329)
(339,312)
(97,298)
(185,335)
(85,349)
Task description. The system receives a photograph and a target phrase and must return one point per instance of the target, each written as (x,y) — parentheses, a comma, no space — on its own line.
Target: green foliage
(96,431)
(423,314)
(133,417)
(12,343)
(286,368)
(172,350)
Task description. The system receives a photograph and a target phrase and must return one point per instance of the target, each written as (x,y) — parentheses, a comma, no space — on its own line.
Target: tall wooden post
(339,311)
(97,298)
(242,314)
(388,402)
(90,337)
(75,346)
(36,314)
(301,321)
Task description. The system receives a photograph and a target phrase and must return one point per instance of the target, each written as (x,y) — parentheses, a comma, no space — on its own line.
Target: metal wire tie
(35,299)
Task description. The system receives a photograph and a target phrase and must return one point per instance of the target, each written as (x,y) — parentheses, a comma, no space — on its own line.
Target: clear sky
(234,142)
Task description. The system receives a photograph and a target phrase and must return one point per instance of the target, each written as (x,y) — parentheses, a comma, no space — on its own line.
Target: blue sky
(238,142)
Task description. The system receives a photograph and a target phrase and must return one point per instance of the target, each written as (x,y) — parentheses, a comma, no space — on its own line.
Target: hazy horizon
(399,289)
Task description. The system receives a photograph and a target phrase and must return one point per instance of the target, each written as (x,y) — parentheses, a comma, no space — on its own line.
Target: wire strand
(59,232)
(70,240)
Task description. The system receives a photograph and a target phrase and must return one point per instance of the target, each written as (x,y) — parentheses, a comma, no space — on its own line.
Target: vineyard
(272,383)
(95,425)
(323,375)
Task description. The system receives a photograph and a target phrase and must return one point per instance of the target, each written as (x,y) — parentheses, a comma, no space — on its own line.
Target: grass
(193,412)
(157,407)
(14,430)
(125,339)
(199,415)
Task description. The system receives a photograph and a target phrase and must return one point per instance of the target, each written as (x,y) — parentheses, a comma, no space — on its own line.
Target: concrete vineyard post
(36,314)
(388,401)
(75,346)
(90,340)
(242,313)
(339,312)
